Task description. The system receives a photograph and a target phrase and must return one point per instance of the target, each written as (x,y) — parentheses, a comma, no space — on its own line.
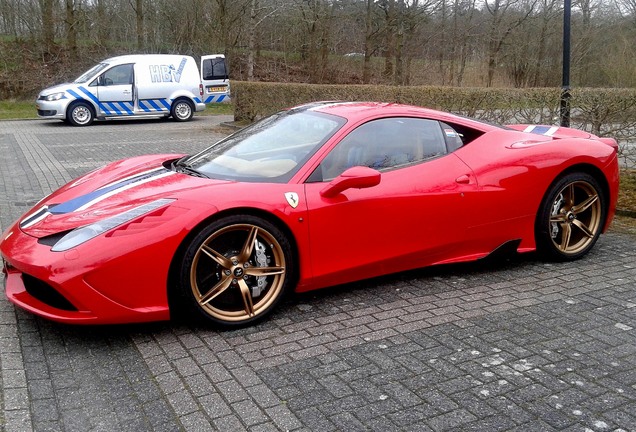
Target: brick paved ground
(519,345)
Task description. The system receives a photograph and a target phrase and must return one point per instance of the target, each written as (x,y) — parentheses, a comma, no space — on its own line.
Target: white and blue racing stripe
(542,130)
(85,201)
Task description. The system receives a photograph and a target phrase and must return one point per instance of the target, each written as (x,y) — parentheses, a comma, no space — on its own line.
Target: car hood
(109,191)
(56,89)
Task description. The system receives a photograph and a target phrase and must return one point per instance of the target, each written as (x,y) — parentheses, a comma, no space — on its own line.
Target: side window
(384,144)
(214,69)
(118,75)
(453,138)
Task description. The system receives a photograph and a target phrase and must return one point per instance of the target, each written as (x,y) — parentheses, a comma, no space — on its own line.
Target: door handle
(463,179)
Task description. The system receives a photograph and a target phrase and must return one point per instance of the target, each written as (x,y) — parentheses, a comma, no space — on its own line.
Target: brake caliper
(556,208)
(261,261)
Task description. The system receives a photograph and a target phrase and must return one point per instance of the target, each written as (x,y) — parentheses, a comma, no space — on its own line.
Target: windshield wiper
(180,166)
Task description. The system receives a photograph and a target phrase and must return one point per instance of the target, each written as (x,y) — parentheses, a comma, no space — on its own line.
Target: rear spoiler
(559,132)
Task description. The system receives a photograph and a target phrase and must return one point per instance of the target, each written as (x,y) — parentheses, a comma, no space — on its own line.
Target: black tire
(80,114)
(235,271)
(182,110)
(571,217)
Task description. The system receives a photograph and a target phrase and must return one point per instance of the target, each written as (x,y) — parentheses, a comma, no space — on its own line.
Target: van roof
(132,58)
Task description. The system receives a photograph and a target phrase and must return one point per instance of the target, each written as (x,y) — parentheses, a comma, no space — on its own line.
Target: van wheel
(182,110)
(80,114)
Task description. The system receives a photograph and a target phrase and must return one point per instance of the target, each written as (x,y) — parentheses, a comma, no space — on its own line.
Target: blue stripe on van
(113,108)
(127,107)
(90,95)
(153,103)
(216,98)
(143,106)
(74,94)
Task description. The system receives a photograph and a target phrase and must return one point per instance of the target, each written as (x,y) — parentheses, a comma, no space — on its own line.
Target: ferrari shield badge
(292,199)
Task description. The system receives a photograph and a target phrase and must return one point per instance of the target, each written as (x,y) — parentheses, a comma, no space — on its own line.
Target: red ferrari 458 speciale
(314,196)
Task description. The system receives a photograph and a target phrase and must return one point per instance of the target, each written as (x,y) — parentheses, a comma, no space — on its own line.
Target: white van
(144,85)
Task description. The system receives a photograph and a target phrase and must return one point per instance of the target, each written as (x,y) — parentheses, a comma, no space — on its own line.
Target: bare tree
(70,23)
(138,8)
(48,28)
(505,16)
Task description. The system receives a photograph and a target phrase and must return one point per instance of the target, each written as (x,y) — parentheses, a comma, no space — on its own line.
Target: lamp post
(565,85)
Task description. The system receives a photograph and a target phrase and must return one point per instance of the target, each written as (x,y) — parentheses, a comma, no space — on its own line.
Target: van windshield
(91,73)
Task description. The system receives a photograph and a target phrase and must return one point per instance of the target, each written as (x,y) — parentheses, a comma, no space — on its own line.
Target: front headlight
(85,233)
(54,96)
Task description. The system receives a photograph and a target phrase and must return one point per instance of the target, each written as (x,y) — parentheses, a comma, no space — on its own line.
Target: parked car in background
(144,85)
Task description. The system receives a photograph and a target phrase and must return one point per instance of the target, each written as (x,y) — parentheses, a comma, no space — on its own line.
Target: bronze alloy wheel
(238,272)
(576,217)
(571,217)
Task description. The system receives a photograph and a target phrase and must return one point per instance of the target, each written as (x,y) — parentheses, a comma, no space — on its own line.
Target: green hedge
(256,99)
(604,112)
(601,111)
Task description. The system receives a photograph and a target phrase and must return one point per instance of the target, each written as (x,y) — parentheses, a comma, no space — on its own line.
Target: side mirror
(358,177)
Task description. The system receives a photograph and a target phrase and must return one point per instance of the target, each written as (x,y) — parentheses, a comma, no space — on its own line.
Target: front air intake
(46,293)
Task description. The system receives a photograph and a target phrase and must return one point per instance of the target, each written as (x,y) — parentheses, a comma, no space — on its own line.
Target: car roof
(359,111)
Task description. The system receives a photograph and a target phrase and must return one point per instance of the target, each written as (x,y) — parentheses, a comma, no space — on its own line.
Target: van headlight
(54,96)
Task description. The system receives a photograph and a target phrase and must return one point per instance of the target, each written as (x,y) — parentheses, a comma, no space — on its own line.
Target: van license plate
(216,89)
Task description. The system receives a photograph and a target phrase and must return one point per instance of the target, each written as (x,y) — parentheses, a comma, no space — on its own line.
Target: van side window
(214,69)
(118,75)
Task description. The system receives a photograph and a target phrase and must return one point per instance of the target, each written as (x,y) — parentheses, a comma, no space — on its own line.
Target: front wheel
(182,110)
(571,217)
(236,270)
(80,114)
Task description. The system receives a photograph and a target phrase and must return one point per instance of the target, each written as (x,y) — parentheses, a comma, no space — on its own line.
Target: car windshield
(271,150)
(91,73)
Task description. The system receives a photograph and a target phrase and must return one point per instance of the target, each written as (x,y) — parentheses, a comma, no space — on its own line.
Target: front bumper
(52,109)
(105,281)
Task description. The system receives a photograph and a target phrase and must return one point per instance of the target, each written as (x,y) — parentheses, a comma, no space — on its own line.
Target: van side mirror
(357,177)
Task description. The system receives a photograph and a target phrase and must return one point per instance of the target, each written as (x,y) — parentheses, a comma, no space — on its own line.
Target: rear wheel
(80,114)
(182,110)
(571,217)
(236,270)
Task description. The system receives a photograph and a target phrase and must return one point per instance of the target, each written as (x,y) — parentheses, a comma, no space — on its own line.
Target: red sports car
(314,196)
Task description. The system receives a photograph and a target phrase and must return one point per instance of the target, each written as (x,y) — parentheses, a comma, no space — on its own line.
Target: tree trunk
(389,29)
(139,14)
(102,28)
(71,29)
(368,26)
(399,44)
(252,40)
(48,30)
